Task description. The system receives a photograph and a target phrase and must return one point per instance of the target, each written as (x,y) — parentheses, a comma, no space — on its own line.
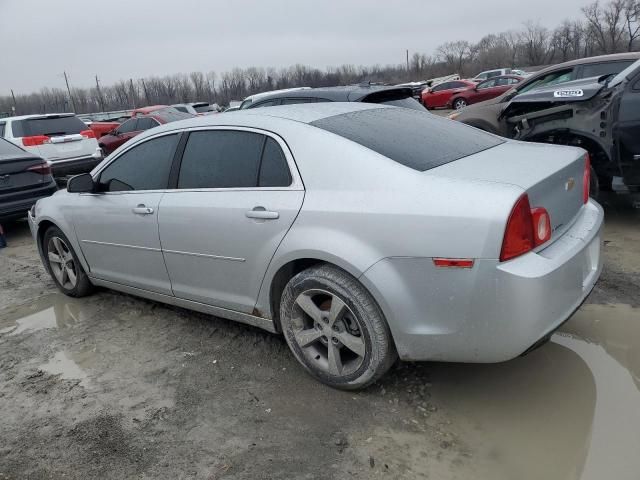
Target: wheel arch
(280,274)
(46,223)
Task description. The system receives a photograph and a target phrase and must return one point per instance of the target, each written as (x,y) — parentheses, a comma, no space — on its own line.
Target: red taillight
(43,168)
(526,229)
(518,236)
(586,178)
(35,140)
(88,134)
(541,225)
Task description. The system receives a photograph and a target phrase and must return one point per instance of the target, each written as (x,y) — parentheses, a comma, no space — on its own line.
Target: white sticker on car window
(568,93)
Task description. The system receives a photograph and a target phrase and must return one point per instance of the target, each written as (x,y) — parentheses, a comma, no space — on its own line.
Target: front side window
(442,86)
(293,101)
(599,69)
(128,126)
(268,103)
(221,159)
(143,167)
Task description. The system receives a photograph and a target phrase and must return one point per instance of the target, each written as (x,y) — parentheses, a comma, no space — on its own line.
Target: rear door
(117,228)
(237,194)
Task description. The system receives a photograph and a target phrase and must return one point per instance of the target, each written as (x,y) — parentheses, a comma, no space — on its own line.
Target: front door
(117,227)
(237,195)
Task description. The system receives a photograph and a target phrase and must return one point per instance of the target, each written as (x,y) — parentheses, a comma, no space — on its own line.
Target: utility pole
(133,93)
(100,98)
(408,74)
(73,102)
(146,93)
(15,106)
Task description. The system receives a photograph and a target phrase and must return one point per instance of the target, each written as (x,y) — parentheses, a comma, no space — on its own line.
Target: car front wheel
(335,329)
(63,265)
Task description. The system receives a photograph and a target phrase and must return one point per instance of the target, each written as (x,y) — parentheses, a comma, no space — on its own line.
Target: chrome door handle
(142,210)
(262,214)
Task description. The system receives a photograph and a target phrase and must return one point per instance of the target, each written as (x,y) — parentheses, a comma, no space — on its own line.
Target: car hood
(573,91)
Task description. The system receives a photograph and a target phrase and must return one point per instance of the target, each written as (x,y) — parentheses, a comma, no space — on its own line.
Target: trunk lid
(551,175)
(15,173)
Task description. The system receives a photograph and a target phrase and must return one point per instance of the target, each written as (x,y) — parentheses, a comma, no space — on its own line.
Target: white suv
(61,138)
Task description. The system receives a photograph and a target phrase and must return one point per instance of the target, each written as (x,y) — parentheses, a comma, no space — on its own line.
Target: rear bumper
(493,311)
(74,166)
(18,206)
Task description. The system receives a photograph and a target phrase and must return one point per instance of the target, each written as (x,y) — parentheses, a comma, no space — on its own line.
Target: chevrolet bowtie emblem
(570,184)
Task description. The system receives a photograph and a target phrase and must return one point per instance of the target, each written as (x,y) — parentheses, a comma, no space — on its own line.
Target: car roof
(265,117)
(44,115)
(589,60)
(346,93)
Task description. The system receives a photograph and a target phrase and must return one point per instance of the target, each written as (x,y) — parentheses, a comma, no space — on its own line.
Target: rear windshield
(395,98)
(49,126)
(417,140)
(9,150)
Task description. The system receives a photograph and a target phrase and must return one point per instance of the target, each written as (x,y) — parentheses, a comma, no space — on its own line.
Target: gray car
(361,232)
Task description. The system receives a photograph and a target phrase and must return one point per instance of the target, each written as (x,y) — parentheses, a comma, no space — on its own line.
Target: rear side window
(599,69)
(170,114)
(1,129)
(268,103)
(274,171)
(146,123)
(458,85)
(293,101)
(181,109)
(414,139)
(144,167)
(52,126)
(128,126)
(221,159)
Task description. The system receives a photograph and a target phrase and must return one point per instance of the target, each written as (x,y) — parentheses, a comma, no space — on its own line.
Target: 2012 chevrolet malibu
(361,232)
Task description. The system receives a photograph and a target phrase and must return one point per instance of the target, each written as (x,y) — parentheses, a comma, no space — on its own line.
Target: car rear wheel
(335,329)
(459,103)
(63,264)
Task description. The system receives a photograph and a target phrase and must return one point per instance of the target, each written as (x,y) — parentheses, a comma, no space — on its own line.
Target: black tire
(594,185)
(605,183)
(82,286)
(361,321)
(459,103)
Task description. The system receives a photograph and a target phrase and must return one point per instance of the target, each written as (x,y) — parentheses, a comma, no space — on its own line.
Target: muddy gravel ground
(114,387)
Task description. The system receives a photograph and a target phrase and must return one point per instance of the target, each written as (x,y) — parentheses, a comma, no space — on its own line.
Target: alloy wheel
(62,263)
(328,332)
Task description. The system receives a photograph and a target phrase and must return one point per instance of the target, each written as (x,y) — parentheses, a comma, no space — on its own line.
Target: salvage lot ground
(112,386)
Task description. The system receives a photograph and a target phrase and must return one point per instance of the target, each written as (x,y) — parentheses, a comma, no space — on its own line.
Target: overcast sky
(121,39)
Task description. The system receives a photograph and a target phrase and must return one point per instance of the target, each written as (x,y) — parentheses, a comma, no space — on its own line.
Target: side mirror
(82,183)
(114,132)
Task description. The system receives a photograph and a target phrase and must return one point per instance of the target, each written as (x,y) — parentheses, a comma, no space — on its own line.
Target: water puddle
(61,364)
(569,410)
(49,311)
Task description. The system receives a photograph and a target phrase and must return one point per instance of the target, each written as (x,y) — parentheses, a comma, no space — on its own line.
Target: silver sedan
(360,232)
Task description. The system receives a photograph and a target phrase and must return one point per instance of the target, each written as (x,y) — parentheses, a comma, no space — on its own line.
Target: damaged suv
(600,114)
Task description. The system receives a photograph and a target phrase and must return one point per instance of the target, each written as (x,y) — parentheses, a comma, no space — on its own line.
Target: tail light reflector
(586,178)
(88,133)
(541,225)
(43,168)
(453,262)
(35,140)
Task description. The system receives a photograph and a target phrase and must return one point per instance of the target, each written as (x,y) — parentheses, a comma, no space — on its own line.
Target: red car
(140,121)
(102,128)
(458,94)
